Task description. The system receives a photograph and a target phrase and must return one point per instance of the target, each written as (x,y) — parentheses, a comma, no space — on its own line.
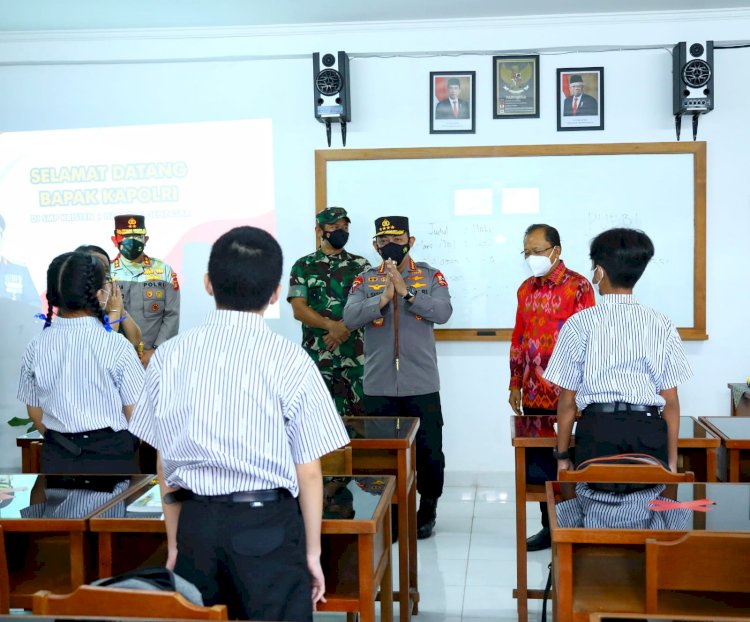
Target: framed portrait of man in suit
(516,87)
(452,102)
(580,99)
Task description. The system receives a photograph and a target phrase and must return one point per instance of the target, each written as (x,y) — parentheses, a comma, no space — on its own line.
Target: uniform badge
(149,293)
(357,282)
(377,288)
(175,283)
(418,317)
(155,307)
(373,279)
(158,271)
(148,271)
(159,294)
(379,322)
(441,279)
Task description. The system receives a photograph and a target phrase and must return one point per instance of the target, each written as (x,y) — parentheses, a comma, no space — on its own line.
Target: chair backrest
(90,600)
(4,581)
(626,473)
(720,563)
(337,462)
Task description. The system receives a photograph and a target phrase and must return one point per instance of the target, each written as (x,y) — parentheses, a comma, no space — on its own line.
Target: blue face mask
(131,248)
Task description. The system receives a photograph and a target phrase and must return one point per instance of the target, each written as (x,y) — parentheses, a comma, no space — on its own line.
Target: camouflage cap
(330,215)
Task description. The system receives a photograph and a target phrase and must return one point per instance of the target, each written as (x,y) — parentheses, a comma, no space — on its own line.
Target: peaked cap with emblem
(130,224)
(331,215)
(391,225)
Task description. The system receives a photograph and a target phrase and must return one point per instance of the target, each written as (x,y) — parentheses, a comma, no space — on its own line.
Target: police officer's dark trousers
(430,457)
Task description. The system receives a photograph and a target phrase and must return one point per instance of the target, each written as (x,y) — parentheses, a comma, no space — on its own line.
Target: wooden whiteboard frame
(697,149)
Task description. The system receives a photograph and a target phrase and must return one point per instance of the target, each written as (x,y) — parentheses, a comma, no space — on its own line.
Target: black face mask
(394,252)
(131,248)
(337,238)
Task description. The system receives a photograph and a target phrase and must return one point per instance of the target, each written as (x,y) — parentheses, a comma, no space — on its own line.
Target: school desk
(734,433)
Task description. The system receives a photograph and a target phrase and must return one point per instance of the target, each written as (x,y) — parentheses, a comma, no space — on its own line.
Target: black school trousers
(102,452)
(429,441)
(251,559)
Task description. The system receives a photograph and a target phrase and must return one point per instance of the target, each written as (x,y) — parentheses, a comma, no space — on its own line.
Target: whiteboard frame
(696,332)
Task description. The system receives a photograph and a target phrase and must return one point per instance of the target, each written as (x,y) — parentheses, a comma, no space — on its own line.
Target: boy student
(240,417)
(619,363)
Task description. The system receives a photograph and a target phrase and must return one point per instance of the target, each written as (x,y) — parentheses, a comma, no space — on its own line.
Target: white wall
(49,81)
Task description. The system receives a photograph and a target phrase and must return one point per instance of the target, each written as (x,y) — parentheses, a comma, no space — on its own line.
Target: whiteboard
(469,209)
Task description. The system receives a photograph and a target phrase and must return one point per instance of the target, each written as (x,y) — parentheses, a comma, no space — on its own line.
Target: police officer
(398,303)
(15,280)
(149,286)
(318,288)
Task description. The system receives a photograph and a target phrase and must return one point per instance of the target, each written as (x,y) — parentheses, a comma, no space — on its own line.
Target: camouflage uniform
(324,282)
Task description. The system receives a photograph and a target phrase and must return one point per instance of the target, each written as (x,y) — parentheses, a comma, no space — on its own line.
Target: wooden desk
(697,447)
(31,448)
(356,531)
(387,445)
(596,569)
(742,407)
(45,523)
(734,433)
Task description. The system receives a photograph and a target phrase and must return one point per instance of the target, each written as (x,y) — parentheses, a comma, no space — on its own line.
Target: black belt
(620,407)
(255,497)
(65,439)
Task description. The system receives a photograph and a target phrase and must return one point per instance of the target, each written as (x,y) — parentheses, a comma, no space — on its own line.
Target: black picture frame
(462,120)
(591,102)
(515,87)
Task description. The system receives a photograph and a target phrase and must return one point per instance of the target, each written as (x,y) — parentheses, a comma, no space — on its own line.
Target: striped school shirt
(80,375)
(233,407)
(597,509)
(619,351)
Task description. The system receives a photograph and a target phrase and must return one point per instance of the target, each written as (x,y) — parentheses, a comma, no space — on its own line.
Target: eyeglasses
(528,254)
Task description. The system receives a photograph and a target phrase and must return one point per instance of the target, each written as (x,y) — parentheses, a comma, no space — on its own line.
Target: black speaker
(331,87)
(693,78)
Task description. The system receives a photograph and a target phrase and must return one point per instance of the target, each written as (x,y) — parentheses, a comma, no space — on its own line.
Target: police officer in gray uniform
(398,304)
(150,290)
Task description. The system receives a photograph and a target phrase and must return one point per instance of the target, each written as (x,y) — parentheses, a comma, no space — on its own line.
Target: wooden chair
(698,562)
(337,462)
(626,473)
(89,600)
(4,581)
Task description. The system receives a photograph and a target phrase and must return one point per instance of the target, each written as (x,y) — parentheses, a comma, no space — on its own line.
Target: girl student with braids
(79,378)
(115,309)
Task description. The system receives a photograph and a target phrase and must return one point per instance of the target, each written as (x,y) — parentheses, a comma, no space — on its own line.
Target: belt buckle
(257,504)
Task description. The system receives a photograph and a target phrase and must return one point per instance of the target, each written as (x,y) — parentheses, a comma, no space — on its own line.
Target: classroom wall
(87,79)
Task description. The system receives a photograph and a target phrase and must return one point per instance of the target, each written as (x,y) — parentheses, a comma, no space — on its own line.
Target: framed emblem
(515,87)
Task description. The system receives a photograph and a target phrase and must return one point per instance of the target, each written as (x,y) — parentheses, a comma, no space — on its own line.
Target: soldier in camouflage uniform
(318,288)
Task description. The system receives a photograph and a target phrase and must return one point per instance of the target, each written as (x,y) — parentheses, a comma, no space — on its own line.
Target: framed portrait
(515,87)
(452,102)
(580,99)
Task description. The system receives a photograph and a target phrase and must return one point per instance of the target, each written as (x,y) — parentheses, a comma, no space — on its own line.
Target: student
(79,379)
(115,308)
(619,363)
(241,416)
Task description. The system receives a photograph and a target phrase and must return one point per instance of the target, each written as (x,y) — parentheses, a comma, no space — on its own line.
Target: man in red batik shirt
(545,301)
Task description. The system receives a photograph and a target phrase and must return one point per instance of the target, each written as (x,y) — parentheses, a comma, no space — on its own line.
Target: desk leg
(521,572)
(711,464)
(734,465)
(563,597)
(105,555)
(404,539)
(413,561)
(386,584)
(366,588)
(77,563)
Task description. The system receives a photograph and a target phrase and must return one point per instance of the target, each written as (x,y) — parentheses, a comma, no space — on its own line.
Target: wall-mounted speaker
(331,87)
(693,78)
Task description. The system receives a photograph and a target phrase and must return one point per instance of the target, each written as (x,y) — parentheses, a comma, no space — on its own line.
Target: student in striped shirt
(619,363)
(79,379)
(240,417)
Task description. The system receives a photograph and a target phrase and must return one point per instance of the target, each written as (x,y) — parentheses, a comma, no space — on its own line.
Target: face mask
(131,248)
(539,264)
(103,303)
(394,252)
(337,238)
(593,276)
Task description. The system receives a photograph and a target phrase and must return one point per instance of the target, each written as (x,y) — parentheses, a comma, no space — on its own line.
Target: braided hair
(73,279)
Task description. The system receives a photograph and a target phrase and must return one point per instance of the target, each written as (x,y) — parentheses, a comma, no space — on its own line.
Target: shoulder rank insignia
(378,322)
(441,279)
(357,282)
(175,282)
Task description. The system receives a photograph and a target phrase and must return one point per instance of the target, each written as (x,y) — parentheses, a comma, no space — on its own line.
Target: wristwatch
(560,455)
(410,294)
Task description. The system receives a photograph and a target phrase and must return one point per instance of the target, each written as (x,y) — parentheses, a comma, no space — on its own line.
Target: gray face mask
(593,277)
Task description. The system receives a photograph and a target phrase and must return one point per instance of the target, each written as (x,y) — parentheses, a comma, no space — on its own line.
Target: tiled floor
(467,570)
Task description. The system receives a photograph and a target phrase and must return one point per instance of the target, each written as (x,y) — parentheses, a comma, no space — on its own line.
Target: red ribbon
(699,505)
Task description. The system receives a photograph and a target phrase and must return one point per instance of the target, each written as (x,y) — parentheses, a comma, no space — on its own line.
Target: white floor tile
(455,509)
(444,546)
(465,494)
(490,546)
(447,600)
(489,603)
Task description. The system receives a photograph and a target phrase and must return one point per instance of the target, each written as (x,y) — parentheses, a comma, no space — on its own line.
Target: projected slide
(192,182)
